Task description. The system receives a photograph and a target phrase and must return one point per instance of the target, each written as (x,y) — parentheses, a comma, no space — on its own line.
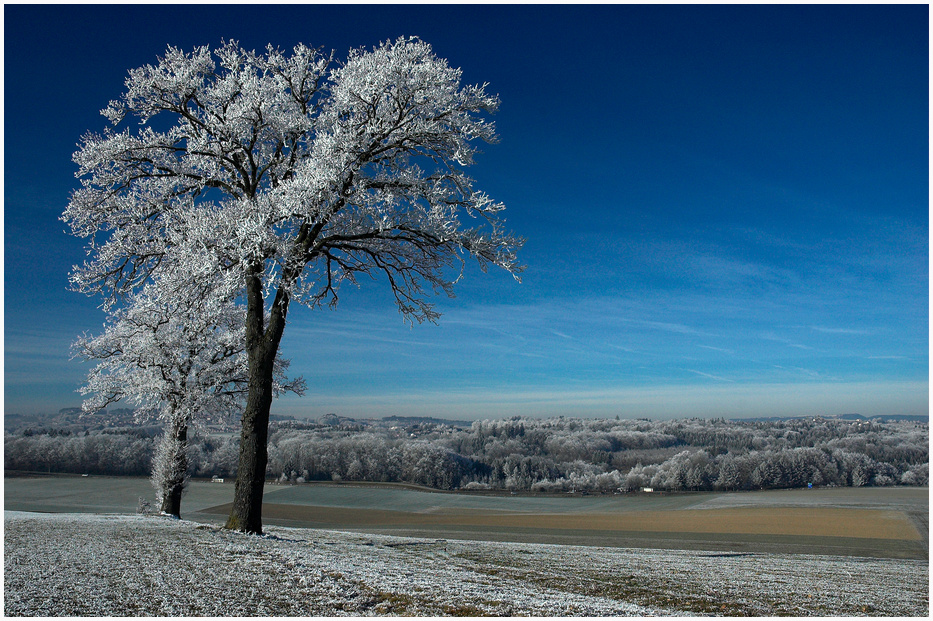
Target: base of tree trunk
(171,502)
(246,513)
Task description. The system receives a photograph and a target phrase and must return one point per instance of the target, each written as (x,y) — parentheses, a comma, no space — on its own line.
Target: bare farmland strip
(853,523)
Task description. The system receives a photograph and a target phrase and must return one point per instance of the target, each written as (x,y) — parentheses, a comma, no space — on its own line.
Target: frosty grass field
(105,563)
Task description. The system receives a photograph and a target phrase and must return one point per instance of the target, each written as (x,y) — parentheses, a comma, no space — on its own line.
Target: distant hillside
(74,420)
(882,418)
(422,420)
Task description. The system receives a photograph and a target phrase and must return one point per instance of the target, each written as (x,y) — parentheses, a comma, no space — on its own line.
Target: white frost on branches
(274,178)
(280,164)
(176,351)
(167,354)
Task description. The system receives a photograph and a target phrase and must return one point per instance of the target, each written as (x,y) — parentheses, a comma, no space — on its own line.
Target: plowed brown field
(813,530)
(807,521)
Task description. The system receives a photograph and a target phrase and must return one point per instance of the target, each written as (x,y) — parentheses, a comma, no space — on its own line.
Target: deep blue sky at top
(726,208)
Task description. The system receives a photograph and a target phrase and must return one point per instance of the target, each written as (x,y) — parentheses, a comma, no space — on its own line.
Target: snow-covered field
(88,564)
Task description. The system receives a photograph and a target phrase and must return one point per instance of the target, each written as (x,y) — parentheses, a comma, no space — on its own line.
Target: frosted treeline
(546,455)
(117,451)
(607,455)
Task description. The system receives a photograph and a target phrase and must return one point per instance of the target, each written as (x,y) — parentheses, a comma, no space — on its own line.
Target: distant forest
(520,454)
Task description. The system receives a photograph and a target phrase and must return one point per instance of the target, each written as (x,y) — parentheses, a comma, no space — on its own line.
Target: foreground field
(74,564)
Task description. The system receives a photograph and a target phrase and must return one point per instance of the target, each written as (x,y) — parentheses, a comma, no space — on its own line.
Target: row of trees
(116,452)
(547,455)
(606,455)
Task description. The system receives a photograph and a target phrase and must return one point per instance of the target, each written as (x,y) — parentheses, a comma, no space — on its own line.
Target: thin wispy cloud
(670,327)
(770,336)
(852,331)
(719,349)
(710,375)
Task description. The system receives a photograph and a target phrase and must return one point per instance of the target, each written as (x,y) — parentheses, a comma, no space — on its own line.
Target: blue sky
(726,209)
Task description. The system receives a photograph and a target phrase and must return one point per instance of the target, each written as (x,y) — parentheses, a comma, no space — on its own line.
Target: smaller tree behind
(177,353)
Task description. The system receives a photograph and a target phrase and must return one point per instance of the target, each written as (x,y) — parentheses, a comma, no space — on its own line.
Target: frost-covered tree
(293,175)
(728,477)
(176,351)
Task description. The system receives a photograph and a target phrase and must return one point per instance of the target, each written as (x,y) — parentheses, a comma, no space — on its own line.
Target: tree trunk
(246,514)
(175,486)
(170,464)
(262,344)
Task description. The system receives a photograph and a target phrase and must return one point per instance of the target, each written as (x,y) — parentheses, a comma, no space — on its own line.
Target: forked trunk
(262,344)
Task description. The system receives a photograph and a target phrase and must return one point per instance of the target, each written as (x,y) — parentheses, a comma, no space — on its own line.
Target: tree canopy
(273,163)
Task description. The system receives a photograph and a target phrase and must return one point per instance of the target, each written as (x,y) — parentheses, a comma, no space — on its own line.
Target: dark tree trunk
(171,501)
(246,514)
(174,486)
(262,344)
